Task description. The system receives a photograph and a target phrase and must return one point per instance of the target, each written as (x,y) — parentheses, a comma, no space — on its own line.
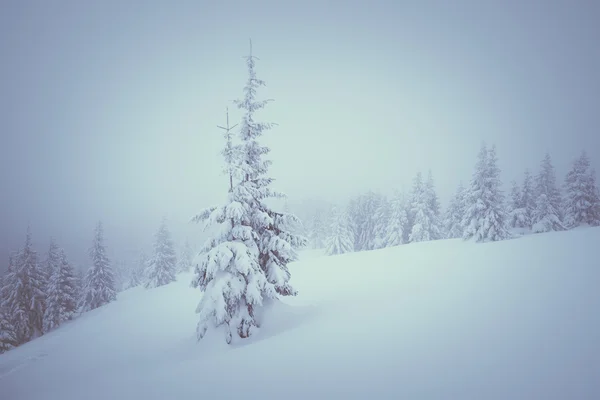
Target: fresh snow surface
(517,319)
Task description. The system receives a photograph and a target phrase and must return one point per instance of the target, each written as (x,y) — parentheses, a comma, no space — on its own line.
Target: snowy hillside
(517,319)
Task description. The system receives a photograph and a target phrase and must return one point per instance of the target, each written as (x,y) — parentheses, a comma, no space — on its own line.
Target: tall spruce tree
(382,217)
(99,283)
(547,215)
(244,268)
(163,264)
(485,216)
(582,203)
(61,296)
(514,207)
(25,301)
(8,336)
(340,240)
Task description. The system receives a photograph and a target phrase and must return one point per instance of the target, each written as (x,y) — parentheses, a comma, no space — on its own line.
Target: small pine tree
(547,215)
(340,240)
(485,216)
(99,286)
(397,222)
(61,300)
(163,264)
(455,214)
(582,206)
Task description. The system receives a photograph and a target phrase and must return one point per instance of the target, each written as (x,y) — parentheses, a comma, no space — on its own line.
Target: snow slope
(518,319)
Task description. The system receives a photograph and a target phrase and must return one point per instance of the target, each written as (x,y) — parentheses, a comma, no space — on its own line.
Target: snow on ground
(517,319)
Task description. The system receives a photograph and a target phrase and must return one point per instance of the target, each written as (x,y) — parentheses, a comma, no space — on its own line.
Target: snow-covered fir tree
(382,217)
(25,301)
(582,202)
(523,203)
(425,225)
(397,223)
(99,282)
(455,214)
(163,264)
(485,216)
(62,291)
(366,220)
(340,240)
(244,268)
(547,215)
(8,337)
(514,207)
(184,263)
(434,208)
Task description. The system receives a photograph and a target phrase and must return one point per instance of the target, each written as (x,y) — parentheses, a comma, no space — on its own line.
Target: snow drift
(517,319)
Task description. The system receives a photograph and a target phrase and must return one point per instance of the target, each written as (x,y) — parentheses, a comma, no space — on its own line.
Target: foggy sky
(109,108)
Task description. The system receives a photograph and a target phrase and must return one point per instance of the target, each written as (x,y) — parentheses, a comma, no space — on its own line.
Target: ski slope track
(518,319)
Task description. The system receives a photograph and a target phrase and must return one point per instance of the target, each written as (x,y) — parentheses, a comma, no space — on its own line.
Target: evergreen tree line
(478,211)
(37,296)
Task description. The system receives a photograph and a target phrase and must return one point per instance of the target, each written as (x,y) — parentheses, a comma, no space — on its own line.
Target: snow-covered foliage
(455,213)
(547,215)
(162,266)
(340,240)
(62,290)
(382,217)
(244,267)
(434,208)
(99,282)
(582,202)
(522,203)
(184,263)
(398,221)
(485,216)
(25,297)
(424,222)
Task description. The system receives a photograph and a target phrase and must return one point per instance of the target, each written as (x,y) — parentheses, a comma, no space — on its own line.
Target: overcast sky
(108,109)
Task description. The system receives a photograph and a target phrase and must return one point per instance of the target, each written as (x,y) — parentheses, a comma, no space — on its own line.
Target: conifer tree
(382,217)
(244,268)
(340,240)
(25,302)
(424,224)
(547,215)
(455,213)
(485,216)
(163,264)
(582,205)
(433,203)
(318,233)
(61,296)
(8,337)
(397,223)
(99,286)
(514,208)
